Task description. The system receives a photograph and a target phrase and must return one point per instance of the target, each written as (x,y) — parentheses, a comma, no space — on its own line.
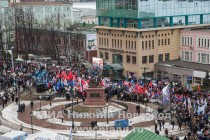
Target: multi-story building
(61,10)
(138,34)
(195,45)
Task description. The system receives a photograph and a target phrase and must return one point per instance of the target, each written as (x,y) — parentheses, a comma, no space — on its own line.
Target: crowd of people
(191,107)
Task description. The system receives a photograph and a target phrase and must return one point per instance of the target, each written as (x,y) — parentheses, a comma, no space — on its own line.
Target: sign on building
(91,42)
(98,62)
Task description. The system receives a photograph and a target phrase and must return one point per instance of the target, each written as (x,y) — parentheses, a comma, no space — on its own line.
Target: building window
(158,42)
(167,56)
(106,56)
(160,57)
(128,59)
(168,41)
(101,55)
(151,59)
(182,40)
(144,59)
(133,59)
(165,41)
(203,58)
(191,41)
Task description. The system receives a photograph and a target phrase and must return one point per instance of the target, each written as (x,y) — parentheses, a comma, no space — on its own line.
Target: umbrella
(19,60)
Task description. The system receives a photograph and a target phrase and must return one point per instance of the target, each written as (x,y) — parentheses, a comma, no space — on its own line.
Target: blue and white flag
(70,135)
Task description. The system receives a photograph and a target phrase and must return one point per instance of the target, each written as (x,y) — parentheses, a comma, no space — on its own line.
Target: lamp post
(72,109)
(12,60)
(50,97)
(107,114)
(31,114)
(40,98)
(145,99)
(96,128)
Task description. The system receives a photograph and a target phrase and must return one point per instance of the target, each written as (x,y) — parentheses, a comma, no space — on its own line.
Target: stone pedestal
(95,96)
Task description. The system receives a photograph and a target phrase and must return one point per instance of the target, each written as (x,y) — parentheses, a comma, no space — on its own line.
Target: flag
(70,135)
(150,84)
(165,90)
(70,76)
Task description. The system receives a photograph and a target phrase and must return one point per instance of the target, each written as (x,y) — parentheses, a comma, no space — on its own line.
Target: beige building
(137,48)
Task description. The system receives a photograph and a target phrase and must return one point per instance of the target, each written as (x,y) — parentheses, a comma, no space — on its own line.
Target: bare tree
(54,38)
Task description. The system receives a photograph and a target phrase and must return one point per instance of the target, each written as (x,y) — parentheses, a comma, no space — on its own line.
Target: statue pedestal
(95,97)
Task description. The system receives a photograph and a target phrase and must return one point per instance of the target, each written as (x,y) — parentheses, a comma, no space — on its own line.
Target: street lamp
(144,69)
(31,114)
(40,98)
(96,128)
(145,99)
(72,109)
(107,115)
(50,97)
(12,60)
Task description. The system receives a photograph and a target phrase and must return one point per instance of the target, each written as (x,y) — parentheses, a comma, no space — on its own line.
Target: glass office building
(152,13)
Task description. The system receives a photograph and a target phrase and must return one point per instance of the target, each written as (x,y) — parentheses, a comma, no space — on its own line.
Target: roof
(113,67)
(185,64)
(49,3)
(143,134)
(76,10)
(14,133)
(151,29)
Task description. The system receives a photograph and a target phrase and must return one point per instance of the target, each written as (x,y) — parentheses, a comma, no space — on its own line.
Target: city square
(104,70)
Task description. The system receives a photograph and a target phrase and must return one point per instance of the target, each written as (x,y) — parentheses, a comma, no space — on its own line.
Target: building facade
(152,13)
(61,11)
(138,34)
(137,48)
(195,45)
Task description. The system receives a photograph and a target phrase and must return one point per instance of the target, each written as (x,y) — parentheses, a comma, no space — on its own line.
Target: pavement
(10,122)
(14,123)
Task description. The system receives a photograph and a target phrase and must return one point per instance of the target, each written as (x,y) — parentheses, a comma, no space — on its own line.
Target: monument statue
(94,82)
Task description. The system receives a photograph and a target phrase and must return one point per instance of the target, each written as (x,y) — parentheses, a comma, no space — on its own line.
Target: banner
(91,42)
(98,62)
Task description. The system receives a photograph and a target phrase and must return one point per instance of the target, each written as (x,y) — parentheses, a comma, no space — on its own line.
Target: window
(187,56)
(168,41)
(167,56)
(153,44)
(203,58)
(199,57)
(133,59)
(182,55)
(128,59)
(165,41)
(144,59)
(158,42)
(151,59)
(106,56)
(101,54)
(191,41)
(142,44)
(160,57)
(182,40)
(162,42)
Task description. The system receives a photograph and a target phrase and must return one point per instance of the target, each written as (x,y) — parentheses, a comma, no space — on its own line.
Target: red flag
(70,77)
(199,88)
(150,84)
(83,82)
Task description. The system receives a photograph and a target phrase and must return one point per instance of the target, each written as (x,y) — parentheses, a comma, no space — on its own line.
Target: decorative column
(201,19)
(186,20)
(171,21)
(139,23)
(155,22)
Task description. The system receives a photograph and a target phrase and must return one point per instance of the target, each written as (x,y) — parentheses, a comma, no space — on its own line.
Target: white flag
(70,135)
